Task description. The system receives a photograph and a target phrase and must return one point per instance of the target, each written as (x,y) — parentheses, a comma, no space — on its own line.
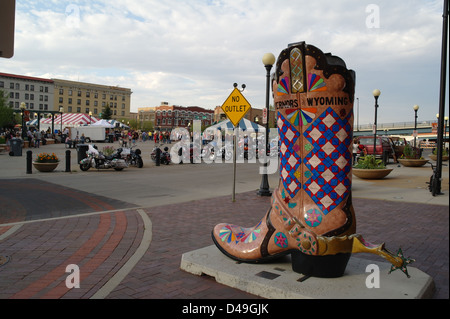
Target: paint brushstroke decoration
(316,83)
(283,87)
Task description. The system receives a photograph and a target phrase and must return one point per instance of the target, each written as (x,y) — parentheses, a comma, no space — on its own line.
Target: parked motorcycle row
(119,160)
(125,157)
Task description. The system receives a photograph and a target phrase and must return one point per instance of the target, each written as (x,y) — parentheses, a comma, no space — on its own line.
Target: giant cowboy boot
(311,216)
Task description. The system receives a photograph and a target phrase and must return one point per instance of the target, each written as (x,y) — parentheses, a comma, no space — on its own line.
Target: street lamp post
(22,109)
(61,110)
(415,108)
(268,61)
(376,94)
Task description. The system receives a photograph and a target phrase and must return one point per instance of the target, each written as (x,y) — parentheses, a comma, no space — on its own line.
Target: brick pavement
(102,243)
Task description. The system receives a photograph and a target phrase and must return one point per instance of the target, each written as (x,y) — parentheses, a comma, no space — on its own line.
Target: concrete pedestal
(278,281)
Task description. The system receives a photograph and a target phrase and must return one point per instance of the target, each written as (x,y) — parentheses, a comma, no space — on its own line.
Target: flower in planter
(47,158)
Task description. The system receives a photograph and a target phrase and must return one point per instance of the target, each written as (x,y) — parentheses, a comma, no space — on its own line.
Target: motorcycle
(164,155)
(98,160)
(133,157)
(209,152)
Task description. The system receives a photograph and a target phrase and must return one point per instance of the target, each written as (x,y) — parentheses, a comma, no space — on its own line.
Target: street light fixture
(376,94)
(268,61)
(415,108)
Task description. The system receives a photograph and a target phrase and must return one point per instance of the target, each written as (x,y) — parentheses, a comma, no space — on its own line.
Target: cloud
(191,52)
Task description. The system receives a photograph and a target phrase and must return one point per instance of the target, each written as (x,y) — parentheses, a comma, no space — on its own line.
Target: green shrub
(369,162)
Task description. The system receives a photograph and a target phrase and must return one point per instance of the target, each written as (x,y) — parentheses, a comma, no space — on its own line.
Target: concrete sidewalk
(124,250)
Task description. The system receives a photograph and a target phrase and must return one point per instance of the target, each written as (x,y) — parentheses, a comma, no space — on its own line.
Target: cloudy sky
(190,52)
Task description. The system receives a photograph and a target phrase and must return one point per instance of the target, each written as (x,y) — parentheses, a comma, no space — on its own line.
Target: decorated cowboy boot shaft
(311,216)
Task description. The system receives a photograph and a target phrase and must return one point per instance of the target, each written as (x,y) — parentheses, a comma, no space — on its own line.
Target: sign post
(235,107)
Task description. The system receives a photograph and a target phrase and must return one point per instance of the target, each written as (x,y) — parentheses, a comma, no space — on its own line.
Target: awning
(72,119)
(244,125)
(32,122)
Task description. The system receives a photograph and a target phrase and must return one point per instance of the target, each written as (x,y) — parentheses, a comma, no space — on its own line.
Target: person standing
(37,138)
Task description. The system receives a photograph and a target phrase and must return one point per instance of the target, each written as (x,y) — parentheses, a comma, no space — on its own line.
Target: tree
(107,113)
(6,113)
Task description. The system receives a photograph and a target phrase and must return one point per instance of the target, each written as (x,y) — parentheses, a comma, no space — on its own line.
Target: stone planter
(45,167)
(371,173)
(411,162)
(434,157)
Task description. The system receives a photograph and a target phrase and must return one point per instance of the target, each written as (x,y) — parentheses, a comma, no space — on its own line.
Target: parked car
(383,150)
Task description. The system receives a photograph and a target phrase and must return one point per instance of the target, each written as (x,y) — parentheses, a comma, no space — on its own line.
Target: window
(32,87)
(70,92)
(2,84)
(61,91)
(61,100)
(78,109)
(11,85)
(79,93)
(70,100)
(69,109)
(17,86)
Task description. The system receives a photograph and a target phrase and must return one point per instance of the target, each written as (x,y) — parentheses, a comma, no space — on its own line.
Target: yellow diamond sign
(235,107)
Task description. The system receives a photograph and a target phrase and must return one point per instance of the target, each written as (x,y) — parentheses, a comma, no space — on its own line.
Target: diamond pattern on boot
(329,160)
(289,159)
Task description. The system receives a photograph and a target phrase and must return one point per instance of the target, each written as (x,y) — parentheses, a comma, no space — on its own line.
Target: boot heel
(332,266)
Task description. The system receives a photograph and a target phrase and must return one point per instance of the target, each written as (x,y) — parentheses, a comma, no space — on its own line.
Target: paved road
(127,230)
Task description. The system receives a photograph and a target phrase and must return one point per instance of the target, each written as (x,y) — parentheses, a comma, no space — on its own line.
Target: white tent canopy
(103,123)
(115,122)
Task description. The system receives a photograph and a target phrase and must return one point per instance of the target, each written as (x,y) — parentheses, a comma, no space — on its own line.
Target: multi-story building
(79,97)
(36,93)
(146,114)
(168,117)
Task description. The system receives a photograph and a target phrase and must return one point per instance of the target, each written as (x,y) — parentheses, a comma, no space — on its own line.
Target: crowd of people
(35,137)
